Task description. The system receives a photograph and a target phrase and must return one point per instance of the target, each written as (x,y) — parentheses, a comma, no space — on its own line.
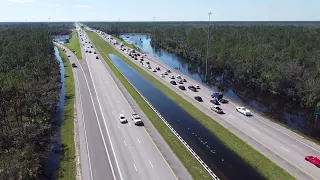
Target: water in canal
(52,163)
(280,109)
(222,161)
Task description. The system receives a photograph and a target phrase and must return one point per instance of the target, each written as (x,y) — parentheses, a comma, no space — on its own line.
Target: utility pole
(208,46)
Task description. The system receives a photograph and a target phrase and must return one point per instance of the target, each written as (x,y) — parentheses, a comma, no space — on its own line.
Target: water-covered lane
(224,163)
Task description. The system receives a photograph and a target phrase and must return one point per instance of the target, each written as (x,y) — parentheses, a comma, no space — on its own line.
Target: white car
(172,76)
(122,118)
(216,109)
(196,86)
(243,111)
(178,76)
(161,75)
(136,119)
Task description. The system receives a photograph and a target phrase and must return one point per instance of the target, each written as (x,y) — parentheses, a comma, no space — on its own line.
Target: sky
(162,10)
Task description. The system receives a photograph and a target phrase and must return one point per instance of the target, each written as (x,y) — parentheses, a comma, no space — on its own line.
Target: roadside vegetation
(74,44)
(191,164)
(29,92)
(132,46)
(67,169)
(263,165)
(278,57)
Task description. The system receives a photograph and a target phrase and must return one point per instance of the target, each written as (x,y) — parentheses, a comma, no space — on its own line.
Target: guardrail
(215,177)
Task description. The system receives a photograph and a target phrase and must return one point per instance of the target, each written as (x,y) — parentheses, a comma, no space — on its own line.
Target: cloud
(22,1)
(82,6)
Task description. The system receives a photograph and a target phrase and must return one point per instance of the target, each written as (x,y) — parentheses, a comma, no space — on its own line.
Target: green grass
(192,165)
(74,44)
(255,159)
(67,162)
(132,46)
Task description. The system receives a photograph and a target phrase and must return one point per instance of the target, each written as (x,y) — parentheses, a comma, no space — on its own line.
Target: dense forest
(54,28)
(281,57)
(29,91)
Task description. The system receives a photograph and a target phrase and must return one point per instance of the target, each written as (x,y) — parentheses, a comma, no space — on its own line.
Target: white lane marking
(125,143)
(94,107)
(122,111)
(84,127)
(285,149)
(255,130)
(287,134)
(297,147)
(115,156)
(138,140)
(129,123)
(118,125)
(118,102)
(135,167)
(112,112)
(150,163)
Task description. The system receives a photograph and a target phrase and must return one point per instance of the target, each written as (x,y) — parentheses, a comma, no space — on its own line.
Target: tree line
(29,91)
(281,57)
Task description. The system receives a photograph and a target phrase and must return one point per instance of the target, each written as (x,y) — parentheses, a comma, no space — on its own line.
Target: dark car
(169,71)
(138,54)
(173,82)
(74,65)
(91,46)
(198,98)
(147,62)
(182,88)
(215,101)
(90,52)
(158,68)
(184,80)
(135,58)
(192,88)
(224,101)
(97,57)
(94,52)
(68,55)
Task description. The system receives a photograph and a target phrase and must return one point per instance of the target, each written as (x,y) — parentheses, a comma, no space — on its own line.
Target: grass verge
(191,164)
(74,44)
(258,161)
(67,169)
(132,46)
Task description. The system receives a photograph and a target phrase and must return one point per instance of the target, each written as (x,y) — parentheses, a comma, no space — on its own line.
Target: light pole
(154,33)
(208,47)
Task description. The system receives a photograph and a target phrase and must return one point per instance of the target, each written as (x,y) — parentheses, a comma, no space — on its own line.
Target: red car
(313,160)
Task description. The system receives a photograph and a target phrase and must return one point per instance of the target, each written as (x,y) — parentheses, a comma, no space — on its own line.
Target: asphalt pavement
(281,145)
(108,148)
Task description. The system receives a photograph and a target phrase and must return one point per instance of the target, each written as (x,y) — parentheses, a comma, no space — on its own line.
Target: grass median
(67,169)
(258,161)
(191,164)
(74,44)
(132,46)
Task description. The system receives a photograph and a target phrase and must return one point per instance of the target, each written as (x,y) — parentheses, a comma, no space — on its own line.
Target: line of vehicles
(134,117)
(177,79)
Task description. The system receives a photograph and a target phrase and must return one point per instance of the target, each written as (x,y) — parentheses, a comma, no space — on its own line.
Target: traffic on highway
(286,148)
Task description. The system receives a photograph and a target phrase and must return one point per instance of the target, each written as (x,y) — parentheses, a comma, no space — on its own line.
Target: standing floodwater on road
(278,108)
(222,161)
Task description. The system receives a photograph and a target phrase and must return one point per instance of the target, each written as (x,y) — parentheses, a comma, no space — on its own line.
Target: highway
(281,145)
(108,148)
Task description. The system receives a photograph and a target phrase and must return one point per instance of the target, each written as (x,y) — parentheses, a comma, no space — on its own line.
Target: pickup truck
(136,119)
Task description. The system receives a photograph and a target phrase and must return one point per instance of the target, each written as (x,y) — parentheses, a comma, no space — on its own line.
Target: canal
(221,160)
(282,110)
(52,163)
